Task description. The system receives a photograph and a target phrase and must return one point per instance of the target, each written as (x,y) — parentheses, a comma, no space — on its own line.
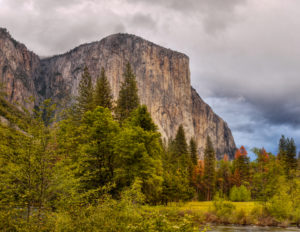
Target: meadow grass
(202,206)
(204,212)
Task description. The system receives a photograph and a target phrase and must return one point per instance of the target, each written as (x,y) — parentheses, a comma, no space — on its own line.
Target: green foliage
(176,186)
(91,173)
(84,100)
(123,215)
(102,95)
(128,96)
(268,176)
(181,154)
(287,155)
(222,208)
(178,169)
(285,204)
(209,169)
(193,151)
(101,152)
(240,194)
(15,117)
(95,164)
(180,145)
(280,206)
(140,117)
(139,155)
(26,172)
(223,177)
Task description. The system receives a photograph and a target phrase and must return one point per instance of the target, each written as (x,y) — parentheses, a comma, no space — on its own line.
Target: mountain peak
(123,38)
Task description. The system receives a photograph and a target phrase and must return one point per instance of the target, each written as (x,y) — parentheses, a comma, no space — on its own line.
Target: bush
(239,194)
(222,209)
(280,206)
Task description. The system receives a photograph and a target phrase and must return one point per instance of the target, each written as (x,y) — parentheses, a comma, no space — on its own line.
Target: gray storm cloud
(244,54)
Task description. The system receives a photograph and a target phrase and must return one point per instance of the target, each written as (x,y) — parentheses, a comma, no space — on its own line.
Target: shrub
(222,209)
(280,206)
(239,194)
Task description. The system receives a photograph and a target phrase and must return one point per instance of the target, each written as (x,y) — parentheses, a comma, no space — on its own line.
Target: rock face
(163,78)
(206,122)
(18,68)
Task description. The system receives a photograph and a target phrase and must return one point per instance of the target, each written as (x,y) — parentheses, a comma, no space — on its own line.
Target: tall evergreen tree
(103,96)
(291,154)
(181,146)
(282,148)
(178,169)
(287,154)
(180,150)
(193,151)
(209,169)
(128,96)
(142,118)
(84,100)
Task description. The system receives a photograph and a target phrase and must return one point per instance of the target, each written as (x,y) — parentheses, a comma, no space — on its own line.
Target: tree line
(103,148)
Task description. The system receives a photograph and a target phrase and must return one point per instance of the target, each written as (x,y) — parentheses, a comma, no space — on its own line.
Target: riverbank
(129,216)
(222,213)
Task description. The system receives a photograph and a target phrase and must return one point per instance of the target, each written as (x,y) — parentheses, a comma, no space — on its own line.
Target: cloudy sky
(244,54)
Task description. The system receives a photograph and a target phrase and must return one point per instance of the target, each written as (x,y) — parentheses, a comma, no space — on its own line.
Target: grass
(204,212)
(202,206)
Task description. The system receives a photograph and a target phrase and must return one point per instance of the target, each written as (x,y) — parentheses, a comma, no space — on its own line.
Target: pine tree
(181,147)
(103,96)
(287,154)
(282,148)
(180,151)
(193,151)
(128,96)
(142,118)
(84,100)
(179,170)
(209,169)
(291,155)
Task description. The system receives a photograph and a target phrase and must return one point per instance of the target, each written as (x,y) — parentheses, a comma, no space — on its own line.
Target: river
(251,229)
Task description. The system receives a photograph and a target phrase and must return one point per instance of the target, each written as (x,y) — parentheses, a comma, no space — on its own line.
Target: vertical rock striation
(18,68)
(207,123)
(163,78)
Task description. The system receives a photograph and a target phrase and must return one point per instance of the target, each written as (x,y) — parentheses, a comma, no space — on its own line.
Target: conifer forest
(102,165)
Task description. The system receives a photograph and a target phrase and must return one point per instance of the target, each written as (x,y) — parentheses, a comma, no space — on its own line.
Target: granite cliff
(18,68)
(163,78)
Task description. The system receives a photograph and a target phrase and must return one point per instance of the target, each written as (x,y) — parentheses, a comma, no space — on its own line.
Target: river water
(251,229)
